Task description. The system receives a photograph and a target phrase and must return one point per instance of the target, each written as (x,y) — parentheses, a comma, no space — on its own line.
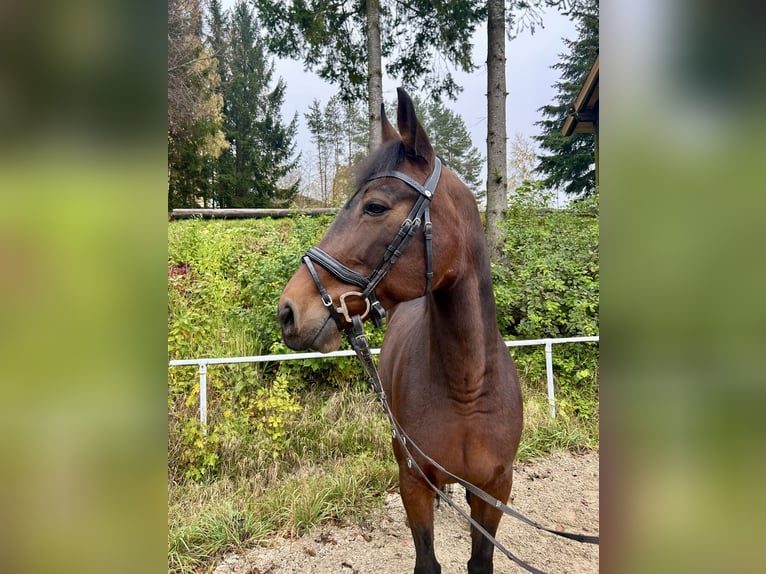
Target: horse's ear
(388,131)
(416,142)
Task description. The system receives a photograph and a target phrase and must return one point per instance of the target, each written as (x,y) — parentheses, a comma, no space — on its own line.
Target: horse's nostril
(287,316)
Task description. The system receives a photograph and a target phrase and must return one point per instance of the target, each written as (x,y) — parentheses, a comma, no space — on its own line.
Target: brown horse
(448,377)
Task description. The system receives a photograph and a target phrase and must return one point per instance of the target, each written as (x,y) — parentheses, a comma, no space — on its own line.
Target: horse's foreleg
(418,503)
(482,550)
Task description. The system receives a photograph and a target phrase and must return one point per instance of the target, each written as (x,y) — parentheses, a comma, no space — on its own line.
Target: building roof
(584,111)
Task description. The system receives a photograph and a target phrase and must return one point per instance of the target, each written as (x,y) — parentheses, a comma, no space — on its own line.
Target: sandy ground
(560,492)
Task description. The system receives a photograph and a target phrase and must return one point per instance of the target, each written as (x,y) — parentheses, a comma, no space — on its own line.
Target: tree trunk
(374,73)
(496,132)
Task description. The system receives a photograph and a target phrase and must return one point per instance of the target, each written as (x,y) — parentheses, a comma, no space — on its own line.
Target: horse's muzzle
(314,329)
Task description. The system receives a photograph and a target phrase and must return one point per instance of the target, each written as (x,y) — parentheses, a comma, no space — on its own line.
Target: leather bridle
(419,214)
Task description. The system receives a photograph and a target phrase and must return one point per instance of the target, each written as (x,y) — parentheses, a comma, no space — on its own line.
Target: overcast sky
(529,78)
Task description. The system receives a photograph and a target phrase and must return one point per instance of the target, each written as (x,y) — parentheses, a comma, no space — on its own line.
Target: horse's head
(351,269)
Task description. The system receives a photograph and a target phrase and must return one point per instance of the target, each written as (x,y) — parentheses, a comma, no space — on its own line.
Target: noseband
(420,212)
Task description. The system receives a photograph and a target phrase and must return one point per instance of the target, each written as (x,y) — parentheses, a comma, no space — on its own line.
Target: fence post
(549,376)
(203,396)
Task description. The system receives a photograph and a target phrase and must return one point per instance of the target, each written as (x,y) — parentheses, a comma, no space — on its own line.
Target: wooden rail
(247,213)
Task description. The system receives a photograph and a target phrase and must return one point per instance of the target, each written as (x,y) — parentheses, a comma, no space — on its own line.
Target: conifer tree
(452,141)
(338,131)
(315,121)
(504,18)
(216,38)
(346,43)
(252,172)
(568,162)
(194,107)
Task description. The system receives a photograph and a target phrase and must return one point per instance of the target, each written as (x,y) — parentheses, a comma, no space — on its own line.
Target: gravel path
(560,491)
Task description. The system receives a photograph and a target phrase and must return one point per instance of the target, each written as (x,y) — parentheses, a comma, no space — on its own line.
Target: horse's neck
(463,328)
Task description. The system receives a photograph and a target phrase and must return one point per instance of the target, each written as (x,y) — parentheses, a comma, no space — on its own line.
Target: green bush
(274,407)
(547,286)
(224,280)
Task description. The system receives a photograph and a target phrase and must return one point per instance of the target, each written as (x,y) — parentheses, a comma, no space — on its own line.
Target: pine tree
(504,18)
(315,121)
(346,43)
(452,141)
(335,127)
(338,130)
(569,163)
(497,186)
(355,132)
(195,138)
(216,38)
(252,173)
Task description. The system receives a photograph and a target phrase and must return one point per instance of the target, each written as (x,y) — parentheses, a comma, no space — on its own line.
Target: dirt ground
(560,492)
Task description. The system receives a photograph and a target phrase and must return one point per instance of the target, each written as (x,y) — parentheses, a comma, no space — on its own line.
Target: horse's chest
(453,425)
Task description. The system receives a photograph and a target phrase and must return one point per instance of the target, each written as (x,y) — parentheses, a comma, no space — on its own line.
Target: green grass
(543,435)
(336,464)
(206,520)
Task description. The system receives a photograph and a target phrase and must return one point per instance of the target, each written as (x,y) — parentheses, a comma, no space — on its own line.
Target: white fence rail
(202,364)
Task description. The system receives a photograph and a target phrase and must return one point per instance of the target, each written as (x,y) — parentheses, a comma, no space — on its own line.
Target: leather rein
(420,213)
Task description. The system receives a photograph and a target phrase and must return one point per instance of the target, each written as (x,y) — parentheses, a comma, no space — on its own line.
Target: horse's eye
(375,209)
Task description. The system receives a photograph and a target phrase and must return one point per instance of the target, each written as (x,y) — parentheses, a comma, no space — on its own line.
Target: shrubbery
(221,278)
(224,280)
(548,286)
